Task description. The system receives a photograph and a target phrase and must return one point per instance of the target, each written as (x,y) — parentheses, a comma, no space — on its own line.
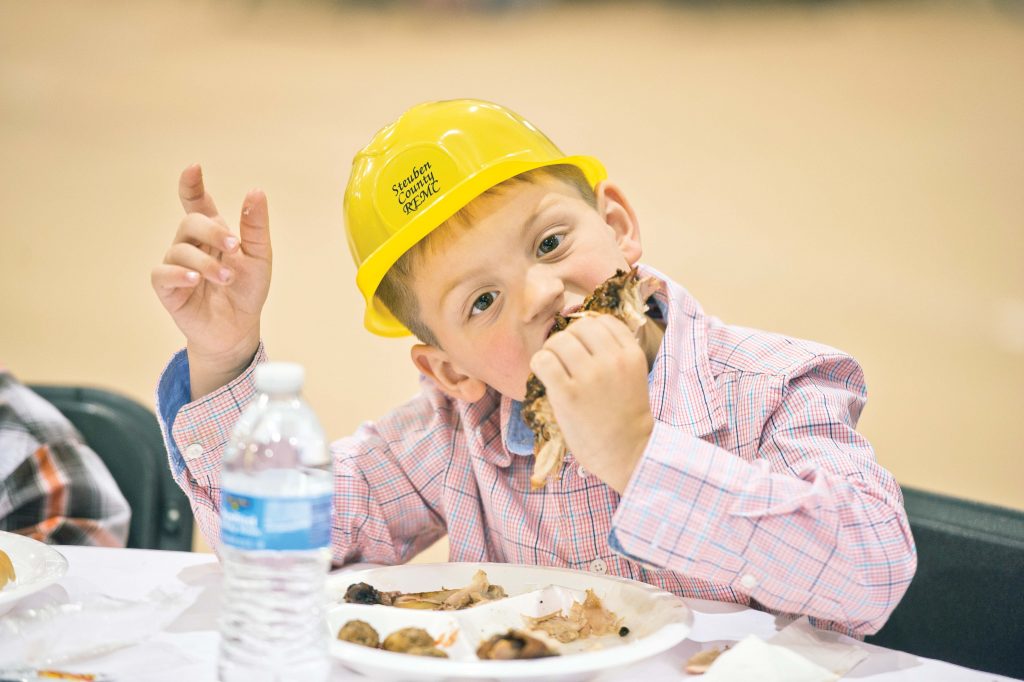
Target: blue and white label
(275,523)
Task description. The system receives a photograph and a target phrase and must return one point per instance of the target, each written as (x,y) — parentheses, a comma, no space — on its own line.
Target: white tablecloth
(186,648)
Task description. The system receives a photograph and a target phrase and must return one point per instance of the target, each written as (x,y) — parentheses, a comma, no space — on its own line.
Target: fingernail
(224,274)
(192,276)
(230,243)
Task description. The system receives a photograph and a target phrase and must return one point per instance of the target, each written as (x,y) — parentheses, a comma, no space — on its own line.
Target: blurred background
(848,172)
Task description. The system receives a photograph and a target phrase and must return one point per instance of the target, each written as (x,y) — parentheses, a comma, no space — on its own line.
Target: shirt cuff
(196,432)
(172,392)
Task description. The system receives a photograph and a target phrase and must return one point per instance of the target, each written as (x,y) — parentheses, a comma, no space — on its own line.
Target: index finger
(192,192)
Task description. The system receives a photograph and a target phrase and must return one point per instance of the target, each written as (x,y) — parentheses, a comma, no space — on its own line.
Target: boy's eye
(550,243)
(483,302)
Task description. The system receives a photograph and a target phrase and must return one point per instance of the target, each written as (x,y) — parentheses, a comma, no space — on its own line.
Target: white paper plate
(657,621)
(35,566)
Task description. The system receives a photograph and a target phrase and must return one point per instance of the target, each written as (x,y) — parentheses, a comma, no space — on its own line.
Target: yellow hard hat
(421,170)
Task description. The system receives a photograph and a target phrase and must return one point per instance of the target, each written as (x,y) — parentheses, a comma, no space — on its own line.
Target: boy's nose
(544,294)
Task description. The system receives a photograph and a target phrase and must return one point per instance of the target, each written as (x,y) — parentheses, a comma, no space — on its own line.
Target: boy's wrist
(630,460)
(209,372)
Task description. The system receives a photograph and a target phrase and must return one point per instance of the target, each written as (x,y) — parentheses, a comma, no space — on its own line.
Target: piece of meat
(589,619)
(513,645)
(478,591)
(623,295)
(361,593)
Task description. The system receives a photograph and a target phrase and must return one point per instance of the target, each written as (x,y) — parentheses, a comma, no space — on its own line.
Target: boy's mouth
(562,319)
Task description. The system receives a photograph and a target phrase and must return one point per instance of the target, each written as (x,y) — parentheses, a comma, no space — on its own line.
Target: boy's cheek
(504,364)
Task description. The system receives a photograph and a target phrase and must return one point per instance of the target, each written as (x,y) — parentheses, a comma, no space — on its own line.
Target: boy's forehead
(508,208)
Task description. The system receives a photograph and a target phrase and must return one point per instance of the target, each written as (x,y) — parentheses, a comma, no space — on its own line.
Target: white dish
(657,621)
(35,566)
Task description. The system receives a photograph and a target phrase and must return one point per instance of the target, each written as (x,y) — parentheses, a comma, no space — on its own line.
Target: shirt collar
(681,386)
(683,390)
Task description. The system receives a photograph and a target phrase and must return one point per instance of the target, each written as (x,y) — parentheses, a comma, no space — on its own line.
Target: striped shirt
(55,488)
(755,487)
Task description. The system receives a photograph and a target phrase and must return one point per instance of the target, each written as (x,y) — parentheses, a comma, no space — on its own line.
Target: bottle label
(275,523)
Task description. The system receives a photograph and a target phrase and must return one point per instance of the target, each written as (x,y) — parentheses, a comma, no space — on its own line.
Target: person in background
(55,488)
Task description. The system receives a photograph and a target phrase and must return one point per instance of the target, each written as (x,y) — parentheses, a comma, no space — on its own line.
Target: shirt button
(748,581)
(582,472)
(598,566)
(194,450)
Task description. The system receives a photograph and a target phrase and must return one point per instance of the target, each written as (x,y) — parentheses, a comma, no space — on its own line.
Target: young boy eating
(710,460)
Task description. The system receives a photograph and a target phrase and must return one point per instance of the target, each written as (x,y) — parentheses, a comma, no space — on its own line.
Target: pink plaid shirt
(755,487)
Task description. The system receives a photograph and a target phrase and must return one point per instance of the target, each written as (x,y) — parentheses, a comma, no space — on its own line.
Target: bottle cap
(279,377)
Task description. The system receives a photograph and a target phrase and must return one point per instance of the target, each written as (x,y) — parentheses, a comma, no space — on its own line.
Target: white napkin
(798,653)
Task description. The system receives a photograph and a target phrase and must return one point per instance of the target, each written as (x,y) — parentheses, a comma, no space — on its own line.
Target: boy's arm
(196,433)
(813,526)
(386,510)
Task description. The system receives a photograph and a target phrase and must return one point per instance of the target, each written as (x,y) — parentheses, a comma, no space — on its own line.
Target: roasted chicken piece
(623,295)
(588,619)
(514,644)
(478,591)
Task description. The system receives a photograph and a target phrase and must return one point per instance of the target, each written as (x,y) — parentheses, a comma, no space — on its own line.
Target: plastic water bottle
(275,517)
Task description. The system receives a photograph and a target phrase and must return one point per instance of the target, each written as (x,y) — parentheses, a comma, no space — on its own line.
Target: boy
(710,460)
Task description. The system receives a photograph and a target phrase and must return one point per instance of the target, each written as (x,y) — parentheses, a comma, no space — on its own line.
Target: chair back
(966,602)
(126,436)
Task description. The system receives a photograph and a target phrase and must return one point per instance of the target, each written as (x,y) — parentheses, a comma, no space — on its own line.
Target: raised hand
(214,282)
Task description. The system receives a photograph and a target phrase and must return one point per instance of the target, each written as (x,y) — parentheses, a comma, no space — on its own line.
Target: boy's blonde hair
(395,290)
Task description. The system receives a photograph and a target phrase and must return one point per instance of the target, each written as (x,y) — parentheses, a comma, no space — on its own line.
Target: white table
(186,649)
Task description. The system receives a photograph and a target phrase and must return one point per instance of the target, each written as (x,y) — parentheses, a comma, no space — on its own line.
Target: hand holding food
(624,297)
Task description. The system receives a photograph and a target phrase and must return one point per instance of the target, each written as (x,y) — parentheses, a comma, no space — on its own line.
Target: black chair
(126,436)
(966,603)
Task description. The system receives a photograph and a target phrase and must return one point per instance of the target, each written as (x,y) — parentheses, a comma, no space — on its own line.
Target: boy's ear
(617,212)
(436,364)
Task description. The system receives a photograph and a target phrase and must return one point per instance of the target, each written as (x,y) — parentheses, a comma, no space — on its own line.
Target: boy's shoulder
(737,349)
(733,348)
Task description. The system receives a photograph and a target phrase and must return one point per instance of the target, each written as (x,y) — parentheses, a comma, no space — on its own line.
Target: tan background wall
(851,174)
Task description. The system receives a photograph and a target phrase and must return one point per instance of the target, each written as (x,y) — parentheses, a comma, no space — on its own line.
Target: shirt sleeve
(811,525)
(63,494)
(386,491)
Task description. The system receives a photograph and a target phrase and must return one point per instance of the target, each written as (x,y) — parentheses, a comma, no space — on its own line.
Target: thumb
(254,225)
